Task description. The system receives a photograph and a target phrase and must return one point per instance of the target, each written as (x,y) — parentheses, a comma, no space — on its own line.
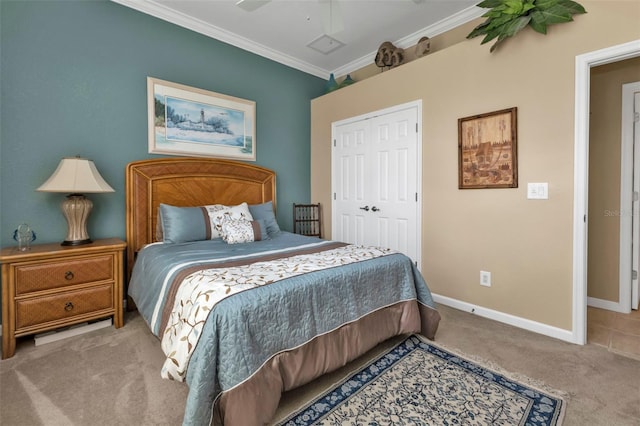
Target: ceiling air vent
(325,44)
(251,5)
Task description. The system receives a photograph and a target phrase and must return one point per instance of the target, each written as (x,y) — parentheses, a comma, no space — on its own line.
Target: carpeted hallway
(111,377)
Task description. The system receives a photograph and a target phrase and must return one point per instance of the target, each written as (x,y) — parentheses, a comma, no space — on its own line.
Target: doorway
(584,63)
(611,218)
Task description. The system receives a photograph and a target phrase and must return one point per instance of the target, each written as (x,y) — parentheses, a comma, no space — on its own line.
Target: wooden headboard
(186,182)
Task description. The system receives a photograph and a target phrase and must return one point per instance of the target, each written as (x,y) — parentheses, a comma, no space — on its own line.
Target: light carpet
(417,382)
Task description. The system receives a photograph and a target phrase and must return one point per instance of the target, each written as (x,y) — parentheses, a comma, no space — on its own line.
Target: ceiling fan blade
(251,5)
(332,22)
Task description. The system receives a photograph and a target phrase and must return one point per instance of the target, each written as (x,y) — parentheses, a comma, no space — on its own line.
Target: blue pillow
(264,212)
(182,224)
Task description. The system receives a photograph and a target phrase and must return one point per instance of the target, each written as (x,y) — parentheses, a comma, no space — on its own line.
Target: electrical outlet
(485,278)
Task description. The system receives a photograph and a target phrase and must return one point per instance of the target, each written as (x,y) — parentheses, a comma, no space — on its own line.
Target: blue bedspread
(246,329)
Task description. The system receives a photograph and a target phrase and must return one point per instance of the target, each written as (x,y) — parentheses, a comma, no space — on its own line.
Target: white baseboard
(513,320)
(54,336)
(607,304)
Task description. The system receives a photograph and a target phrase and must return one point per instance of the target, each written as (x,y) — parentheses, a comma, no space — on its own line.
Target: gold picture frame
(193,122)
(487,150)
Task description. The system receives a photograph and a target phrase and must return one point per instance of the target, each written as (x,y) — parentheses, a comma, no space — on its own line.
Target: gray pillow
(264,212)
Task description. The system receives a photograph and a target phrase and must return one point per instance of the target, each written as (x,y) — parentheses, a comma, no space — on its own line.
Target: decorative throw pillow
(264,211)
(219,213)
(235,231)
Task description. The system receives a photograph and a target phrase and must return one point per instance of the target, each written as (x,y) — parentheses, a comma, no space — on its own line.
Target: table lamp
(76,176)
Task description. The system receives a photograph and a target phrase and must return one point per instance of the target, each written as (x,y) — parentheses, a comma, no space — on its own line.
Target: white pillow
(235,231)
(219,213)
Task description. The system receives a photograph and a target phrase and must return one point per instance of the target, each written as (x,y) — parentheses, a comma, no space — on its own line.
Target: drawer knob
(68,275)
(68,306)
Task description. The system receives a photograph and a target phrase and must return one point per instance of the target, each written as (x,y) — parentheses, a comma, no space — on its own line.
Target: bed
(243,321)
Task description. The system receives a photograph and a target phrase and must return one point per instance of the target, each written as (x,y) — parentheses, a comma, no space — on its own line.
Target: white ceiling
(281,30)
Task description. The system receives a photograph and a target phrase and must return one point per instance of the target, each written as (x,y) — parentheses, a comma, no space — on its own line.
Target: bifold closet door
(375,177)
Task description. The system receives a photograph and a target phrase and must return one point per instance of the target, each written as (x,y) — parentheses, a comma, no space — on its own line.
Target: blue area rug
(418,383)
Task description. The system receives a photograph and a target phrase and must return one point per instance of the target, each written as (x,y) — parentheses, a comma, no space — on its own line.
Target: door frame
(584,63)
(417,104)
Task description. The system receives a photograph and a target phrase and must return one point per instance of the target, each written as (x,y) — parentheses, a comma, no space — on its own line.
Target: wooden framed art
(187,121)
(487,150)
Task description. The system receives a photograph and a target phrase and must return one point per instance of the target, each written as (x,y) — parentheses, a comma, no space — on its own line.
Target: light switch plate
(538,191)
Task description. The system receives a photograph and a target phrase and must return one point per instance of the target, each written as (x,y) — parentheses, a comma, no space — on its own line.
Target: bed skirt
(255,401)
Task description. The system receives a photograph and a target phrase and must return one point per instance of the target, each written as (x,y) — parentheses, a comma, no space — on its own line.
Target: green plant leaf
(538,22)
(510,29)
(499,22)
(556,15)
(480,29)
(490,4)
(514,7)
(491,35)
(496,28)
(572,7)
(517,7)
(489,26)
(545,4)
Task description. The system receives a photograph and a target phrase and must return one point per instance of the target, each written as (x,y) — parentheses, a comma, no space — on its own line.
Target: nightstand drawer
(40,310)
(45,276)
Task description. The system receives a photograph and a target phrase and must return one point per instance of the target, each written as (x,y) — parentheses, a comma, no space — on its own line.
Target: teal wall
(73,82)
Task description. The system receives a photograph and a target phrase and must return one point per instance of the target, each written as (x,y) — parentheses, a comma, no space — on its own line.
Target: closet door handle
(365,208)
(375,209)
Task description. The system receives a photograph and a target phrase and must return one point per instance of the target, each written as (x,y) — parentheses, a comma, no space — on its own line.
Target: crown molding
(157,10)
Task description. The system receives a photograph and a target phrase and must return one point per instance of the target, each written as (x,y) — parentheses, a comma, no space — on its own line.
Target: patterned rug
(418,383)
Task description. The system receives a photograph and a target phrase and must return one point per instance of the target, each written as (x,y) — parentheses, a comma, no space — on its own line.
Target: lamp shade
(76,175)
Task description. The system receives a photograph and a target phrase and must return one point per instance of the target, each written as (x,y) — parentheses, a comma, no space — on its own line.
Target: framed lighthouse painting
(487,150)
(184,120)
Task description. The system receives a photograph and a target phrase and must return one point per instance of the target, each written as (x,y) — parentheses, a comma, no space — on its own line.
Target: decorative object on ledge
(331,84)
(76,175)
(507,17)
(348,81)
(24,235)
(487,150)
(389,56)
(184,120)
(397,57)
(423,47)
(383,56)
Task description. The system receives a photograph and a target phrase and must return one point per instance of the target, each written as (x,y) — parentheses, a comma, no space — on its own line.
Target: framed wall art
(487,150)
(183,120)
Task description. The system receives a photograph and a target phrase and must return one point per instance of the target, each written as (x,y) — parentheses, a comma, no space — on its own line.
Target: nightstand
(52,286)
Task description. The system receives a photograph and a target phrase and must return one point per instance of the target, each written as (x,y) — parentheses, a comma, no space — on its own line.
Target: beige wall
(604,176)
(525,244)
